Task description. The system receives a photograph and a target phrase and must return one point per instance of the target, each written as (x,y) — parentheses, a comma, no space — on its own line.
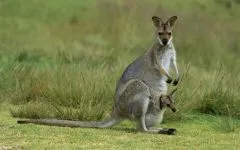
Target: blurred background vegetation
(62,59)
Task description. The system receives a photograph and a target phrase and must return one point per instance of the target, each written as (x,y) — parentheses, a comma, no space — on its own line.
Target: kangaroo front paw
(168,131)
(175,82)
(169,80)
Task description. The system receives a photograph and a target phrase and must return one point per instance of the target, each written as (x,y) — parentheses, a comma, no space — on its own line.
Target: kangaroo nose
(164,41)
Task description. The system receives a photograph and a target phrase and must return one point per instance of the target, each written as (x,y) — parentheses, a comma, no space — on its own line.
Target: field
(62,59)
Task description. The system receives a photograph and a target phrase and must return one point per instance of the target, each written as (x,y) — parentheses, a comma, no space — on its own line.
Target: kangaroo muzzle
(164,41)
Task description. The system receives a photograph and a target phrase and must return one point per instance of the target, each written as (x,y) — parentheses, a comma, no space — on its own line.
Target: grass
(62,59)
(196,132)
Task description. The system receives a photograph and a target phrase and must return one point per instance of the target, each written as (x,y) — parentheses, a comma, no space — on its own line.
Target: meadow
(62,59)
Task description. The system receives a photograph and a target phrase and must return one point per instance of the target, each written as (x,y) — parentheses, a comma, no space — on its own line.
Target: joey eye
(160,33)
(169,33)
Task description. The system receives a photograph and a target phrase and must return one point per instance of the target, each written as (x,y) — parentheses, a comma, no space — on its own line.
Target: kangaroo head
(167,101)
(164,29)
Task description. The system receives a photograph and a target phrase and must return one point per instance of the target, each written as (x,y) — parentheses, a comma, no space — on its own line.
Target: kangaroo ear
(157,21)
(172,20)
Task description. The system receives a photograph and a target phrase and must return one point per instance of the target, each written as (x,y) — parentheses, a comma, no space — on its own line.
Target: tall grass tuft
(221,98)
(69,92)
(227,123)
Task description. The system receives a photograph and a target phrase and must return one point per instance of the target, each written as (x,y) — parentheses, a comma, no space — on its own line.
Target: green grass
(62,59)
(195,132)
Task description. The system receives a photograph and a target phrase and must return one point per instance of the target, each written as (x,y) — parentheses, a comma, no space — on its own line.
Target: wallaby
(153,66)
(141,90)
(135,103)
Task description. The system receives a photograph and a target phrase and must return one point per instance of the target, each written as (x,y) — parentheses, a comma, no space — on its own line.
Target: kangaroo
(141,92)
(135,104)
(153,66)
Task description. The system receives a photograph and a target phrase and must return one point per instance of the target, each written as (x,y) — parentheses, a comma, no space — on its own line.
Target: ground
(196,132)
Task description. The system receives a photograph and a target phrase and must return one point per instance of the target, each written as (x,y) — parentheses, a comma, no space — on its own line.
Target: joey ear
(172,20)
(157,21)
(161,102)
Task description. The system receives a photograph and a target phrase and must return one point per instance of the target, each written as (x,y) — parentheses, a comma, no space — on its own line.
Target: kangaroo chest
(164,59)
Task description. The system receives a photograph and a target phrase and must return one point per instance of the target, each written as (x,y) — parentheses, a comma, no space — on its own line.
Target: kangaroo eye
(160,33)
(169,33)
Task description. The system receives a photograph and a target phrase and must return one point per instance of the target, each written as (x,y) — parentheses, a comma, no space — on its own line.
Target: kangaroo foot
(168,131)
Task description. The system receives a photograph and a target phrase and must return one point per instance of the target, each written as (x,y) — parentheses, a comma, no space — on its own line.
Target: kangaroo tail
(67,123)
